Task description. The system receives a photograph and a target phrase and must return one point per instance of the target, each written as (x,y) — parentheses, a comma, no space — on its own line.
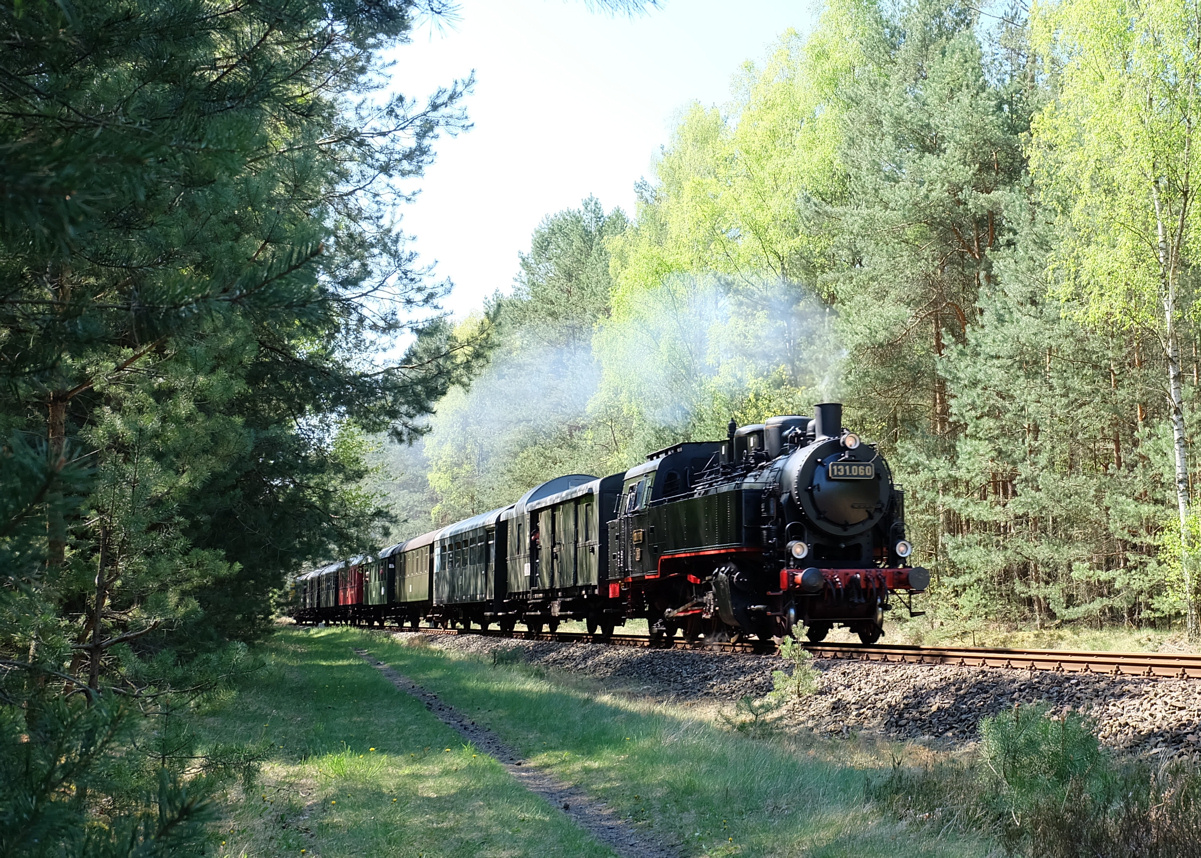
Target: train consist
(795,520)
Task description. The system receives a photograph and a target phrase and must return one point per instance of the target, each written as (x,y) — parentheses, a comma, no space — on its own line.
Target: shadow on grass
(683,780)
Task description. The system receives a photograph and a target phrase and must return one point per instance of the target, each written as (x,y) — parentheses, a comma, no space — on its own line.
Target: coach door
(548,553)
(586,559)
(567,544)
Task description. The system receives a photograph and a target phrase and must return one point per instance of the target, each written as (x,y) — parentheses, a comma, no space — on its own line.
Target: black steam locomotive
(792,521)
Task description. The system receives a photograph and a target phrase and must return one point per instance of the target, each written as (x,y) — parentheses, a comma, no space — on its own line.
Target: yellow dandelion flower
(371,749)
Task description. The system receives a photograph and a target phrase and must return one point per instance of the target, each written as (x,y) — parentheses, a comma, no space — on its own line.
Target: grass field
(357,768)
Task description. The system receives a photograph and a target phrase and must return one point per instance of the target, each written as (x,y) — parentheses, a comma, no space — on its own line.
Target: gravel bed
(911,701)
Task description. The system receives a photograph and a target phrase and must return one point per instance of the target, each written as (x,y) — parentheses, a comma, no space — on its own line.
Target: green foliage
(91,774)
(1038,762)
(504,656)
(1047,788)
(801,679)
(1114,154)
(758,717)
(202,269)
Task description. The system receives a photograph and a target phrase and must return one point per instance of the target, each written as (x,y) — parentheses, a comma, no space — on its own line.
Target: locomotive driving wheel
(816,633)
(869,633)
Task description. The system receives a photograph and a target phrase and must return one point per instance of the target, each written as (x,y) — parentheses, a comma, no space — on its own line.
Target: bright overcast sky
(568,102)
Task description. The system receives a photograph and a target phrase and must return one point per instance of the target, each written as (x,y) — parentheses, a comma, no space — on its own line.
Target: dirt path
(595,817)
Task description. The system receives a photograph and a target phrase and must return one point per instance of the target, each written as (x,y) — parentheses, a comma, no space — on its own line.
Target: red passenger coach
(351,580)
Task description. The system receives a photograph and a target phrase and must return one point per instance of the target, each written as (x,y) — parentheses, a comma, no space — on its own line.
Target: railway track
(1147,664)
(1144,664)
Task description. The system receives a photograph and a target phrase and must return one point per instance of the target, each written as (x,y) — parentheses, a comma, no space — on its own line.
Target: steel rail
(1145,664)
(1096,662)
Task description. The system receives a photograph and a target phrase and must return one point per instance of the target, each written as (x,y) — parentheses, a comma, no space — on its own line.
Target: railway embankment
(939,704)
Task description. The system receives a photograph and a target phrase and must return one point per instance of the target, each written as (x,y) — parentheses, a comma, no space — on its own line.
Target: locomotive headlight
(850,440)
(798,549)
(903,549)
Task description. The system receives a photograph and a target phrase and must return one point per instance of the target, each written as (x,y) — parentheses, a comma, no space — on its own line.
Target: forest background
(975,229)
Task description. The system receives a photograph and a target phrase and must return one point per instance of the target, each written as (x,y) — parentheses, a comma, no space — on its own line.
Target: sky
(568,102)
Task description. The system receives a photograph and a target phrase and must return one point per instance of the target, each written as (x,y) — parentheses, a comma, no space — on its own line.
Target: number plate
(851,470)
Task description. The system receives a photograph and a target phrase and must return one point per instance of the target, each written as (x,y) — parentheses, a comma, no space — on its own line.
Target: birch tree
(1115,152)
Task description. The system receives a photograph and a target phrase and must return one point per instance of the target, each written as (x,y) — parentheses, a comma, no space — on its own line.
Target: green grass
(713,791)
(357,768)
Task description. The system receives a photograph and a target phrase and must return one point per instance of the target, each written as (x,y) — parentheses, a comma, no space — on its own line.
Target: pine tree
(199,257)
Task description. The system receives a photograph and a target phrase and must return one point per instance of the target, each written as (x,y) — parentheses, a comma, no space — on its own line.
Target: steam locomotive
(793,521)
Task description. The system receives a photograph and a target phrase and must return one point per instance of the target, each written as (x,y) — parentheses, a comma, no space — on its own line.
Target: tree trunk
(56,525)
(1168,258)
(1179,447)
(96,650)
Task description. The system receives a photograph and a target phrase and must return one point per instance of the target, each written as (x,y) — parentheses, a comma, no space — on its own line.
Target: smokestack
(827,420)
